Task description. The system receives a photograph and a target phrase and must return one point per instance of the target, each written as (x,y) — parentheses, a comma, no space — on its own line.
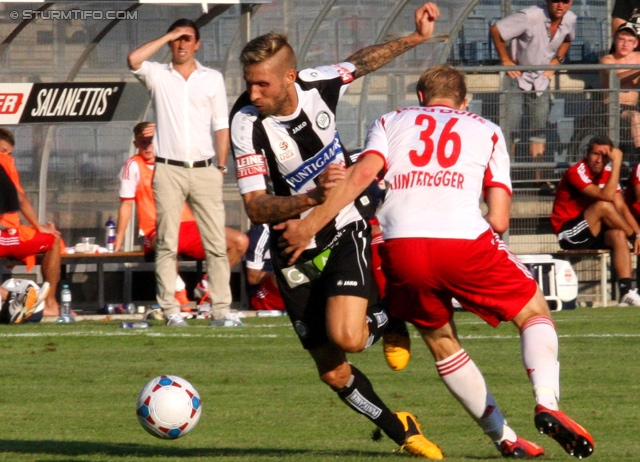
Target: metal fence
(84,160)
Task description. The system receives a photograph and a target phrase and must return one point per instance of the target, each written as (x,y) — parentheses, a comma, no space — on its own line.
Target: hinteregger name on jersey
(416,178)
(443,110)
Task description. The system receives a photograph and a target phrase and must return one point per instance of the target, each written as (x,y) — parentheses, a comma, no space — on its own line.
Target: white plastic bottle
(65,305)
(110,235)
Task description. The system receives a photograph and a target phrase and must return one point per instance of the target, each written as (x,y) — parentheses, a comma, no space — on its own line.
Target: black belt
(185,163)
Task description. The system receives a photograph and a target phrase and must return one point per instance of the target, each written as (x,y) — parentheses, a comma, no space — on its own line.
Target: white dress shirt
(187,111)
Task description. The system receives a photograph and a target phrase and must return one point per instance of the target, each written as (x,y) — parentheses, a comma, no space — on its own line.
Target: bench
(98,259)
(601,254)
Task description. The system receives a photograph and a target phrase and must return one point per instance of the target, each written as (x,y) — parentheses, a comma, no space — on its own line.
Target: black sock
(624,286)
(359,396)
(377,319)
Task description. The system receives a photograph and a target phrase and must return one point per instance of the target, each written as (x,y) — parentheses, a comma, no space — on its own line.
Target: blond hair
(442,81)
(266,46)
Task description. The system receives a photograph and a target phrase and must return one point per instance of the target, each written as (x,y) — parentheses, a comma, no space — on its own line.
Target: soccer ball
(168,407)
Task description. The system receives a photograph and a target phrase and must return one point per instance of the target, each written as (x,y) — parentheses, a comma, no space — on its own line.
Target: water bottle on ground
(65,305)
(135,325)
(118,308)
(110,235)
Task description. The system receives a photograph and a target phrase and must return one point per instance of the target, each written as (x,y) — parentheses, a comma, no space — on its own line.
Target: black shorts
(576,235)
(347,271)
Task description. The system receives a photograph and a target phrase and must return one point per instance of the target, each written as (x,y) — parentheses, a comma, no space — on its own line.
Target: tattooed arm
(374,57)
(266,208)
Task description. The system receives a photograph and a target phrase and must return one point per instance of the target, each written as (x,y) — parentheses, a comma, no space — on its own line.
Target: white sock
(465,381)
(539,343)
(180,285)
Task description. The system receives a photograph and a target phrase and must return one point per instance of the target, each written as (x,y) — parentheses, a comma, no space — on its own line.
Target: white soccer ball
(168,407)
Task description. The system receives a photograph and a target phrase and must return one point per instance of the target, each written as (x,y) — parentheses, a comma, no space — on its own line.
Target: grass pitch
(68,392)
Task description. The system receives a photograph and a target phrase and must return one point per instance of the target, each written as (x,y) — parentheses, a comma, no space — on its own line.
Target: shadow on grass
(84,448)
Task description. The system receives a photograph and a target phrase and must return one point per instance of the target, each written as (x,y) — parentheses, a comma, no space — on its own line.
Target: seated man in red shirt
(135,186)
(589,212)
(21,242)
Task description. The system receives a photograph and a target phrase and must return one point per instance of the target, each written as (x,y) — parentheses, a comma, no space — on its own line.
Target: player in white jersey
(287,151)
(437,161)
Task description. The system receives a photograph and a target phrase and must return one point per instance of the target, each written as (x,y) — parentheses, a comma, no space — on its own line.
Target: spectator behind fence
(625,42)
(624,11)
(190,102)
(589,213)
(136,187)
(23,242)
(540,35)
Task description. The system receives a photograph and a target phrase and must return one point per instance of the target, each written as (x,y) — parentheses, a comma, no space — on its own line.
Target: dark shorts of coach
(350,260)
(576,235)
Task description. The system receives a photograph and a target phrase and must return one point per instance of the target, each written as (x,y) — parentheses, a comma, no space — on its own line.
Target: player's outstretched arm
(374,57)
(358,177)
(262,207)
(266,208)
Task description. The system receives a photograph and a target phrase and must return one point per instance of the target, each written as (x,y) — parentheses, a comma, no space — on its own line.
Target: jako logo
(299,127)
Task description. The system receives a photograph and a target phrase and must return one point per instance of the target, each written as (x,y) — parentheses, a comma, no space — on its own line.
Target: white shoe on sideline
(228,320)
(631,298)
(176,320)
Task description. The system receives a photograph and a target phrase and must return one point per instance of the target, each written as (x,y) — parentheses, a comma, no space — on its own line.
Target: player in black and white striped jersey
(288,153)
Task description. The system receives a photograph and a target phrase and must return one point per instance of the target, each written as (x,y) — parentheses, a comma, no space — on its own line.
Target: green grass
(68,392)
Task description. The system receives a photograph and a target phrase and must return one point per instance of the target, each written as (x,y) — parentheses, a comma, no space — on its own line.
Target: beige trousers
(201,188)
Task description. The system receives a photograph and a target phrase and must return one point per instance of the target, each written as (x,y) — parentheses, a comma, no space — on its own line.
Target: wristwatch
(223,168)
(561,59)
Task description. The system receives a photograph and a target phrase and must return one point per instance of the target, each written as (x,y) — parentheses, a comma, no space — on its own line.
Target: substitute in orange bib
(23,242)
(136,187)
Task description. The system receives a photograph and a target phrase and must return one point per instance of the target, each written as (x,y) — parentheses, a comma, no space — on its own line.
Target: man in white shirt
(539,35)
(438,160)
(190,102)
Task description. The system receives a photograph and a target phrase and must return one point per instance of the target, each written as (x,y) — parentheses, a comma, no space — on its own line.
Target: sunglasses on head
(566,2)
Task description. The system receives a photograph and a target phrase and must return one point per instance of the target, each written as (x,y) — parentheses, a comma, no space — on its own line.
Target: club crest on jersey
(313,166)
(323,120)
(345,74)
(250,165)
